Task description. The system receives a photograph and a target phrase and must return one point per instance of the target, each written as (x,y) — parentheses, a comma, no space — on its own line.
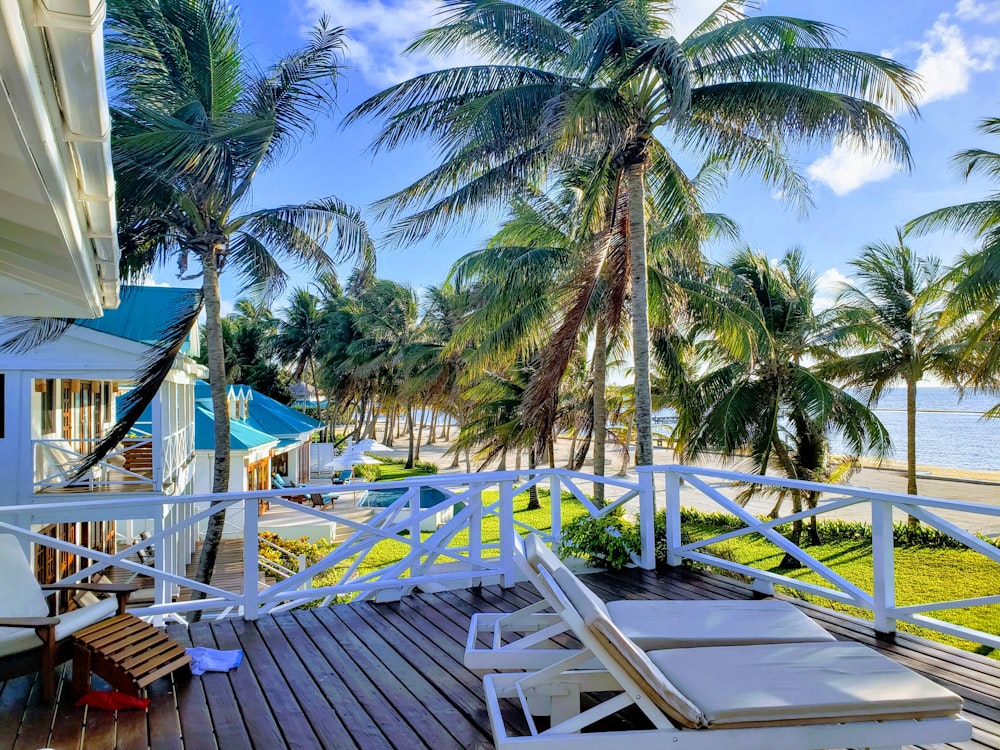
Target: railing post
(506,508)
(884,567)
(156,442)
(555,505)
(251,553)
(476,526)
(647,515)
(673,516)
(161,589)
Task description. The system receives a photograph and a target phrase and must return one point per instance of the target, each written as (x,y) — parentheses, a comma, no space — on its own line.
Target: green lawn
(923,574)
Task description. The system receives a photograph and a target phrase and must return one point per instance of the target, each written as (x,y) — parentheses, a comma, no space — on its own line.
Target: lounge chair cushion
(629,657)
(16,640)
(22,596)
(705,622)
(801,683)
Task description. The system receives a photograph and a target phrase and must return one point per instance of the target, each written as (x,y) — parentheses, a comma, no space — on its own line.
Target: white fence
(387,556)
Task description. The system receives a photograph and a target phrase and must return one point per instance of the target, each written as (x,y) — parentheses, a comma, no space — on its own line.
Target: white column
(156,408)
(884,564)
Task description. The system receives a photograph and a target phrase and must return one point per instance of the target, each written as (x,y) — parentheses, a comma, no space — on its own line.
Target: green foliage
(368,472)
(608,542)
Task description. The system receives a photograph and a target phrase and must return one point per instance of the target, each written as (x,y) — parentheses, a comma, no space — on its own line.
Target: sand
(950,484)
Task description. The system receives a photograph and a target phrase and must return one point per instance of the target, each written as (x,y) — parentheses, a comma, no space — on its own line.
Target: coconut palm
(194,122)
(607,81)
(891,322)
(756,393)
(976,293)
(300,336)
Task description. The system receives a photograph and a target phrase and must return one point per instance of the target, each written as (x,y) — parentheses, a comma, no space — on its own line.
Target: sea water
(951,432)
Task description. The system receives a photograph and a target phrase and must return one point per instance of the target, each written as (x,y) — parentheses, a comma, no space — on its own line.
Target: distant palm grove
(577,125)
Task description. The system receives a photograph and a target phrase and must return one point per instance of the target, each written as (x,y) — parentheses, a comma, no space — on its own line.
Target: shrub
(368,472)
(425,466)
(606,542)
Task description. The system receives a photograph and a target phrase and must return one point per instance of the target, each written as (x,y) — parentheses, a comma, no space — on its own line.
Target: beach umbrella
(369,445)
(347,460)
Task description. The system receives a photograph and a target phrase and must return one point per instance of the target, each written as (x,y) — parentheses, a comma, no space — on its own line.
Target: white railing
(388,556)
(880,601)
(177,452)
(55,461)
(454,554)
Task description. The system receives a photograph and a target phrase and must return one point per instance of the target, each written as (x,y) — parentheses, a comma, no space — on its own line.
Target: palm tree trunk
(312,371)
(387,432)
(552,451)
(627,459)
(911,444)
(781,452)
(502,463)
(431,435)
(600,405)
(409,452)
(634,174)
(420,432)
(533,502)
(220,410)
(572,451)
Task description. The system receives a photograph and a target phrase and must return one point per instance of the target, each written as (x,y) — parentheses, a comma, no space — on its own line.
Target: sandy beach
(936,482)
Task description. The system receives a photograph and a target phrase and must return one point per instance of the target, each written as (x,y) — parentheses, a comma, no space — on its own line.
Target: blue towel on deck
(212,660)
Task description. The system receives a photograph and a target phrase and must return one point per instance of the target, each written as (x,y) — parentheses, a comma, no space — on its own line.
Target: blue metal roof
(267,420)
(145,313)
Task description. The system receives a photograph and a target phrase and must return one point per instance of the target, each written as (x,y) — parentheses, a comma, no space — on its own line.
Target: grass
(923,574)
(389,552)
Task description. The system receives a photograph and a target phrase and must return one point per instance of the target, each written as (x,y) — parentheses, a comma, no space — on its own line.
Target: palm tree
(388,346)
(606,81)
(891,322)
(756,392)
(300,336)
(194,122)
(976,293)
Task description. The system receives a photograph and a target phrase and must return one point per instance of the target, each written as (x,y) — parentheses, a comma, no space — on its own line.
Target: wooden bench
(127,652)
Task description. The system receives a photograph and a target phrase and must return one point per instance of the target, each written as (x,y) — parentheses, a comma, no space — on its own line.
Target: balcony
(140,463)
(369,675)
(385,670)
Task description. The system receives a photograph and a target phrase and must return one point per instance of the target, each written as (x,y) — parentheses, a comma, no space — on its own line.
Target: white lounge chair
(30,640)
(517,640)
(792,696)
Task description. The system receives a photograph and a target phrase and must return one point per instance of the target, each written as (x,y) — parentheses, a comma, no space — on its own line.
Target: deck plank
(384,676)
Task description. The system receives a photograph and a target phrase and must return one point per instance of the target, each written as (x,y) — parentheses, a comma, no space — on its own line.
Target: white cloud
(948,60)
(828,286)
(379,31)
(971,10)
(849,166)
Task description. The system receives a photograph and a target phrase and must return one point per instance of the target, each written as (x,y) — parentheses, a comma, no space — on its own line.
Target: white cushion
(630,658)
(801,683)
(656,624)
(20,594)
(16,640)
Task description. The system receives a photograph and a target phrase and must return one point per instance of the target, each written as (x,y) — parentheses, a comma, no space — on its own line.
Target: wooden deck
(391,676)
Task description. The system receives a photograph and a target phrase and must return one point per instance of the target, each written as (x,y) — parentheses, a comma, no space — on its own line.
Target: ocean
(951,433)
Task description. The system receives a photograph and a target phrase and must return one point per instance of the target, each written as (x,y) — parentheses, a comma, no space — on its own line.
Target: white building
(60,399)
(58,245)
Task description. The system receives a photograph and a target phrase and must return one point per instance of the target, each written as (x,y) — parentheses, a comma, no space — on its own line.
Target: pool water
(429,497)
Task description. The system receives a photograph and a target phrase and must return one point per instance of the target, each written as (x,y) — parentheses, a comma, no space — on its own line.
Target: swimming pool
(429,497)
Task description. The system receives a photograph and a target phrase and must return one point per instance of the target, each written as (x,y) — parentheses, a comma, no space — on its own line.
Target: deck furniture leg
(48,674)
(81,670)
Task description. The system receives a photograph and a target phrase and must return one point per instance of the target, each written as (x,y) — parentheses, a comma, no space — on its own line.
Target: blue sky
(953,44)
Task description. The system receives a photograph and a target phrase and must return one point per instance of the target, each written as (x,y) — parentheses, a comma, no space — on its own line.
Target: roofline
(60,103)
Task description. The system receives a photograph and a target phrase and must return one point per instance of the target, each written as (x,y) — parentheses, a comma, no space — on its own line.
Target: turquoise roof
(242,437)
(267,420)
(145,313)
